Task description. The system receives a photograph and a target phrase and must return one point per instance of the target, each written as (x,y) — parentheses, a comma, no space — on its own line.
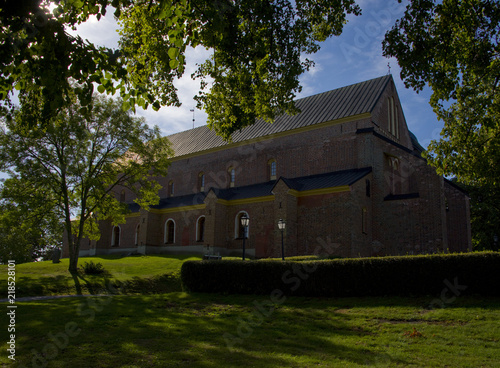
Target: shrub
(91,268)
(470,273)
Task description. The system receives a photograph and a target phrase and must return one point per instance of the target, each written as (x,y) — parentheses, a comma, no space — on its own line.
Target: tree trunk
(73,248)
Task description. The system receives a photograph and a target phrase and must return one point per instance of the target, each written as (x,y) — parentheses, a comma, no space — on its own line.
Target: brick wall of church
(312,152)
(402,222)
(404,213)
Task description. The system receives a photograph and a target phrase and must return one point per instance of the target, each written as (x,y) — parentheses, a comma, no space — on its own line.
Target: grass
(207,330)
(47,278)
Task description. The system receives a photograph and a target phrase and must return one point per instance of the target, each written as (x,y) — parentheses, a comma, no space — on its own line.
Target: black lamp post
(244,222)
(281,226)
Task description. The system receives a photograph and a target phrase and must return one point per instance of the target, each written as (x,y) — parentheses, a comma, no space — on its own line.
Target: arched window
(272,169)
(115,236)
(122,196)
(201,182)
(170,231)
(200,229)
(137,231)
(171,188)
(241,231)
(232,176)
(392,117)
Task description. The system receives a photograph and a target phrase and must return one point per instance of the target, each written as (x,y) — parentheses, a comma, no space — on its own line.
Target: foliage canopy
(257,48)
(453,47)
(79,160)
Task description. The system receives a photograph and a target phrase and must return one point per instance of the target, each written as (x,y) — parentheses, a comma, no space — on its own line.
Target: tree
(79,158)
(26,233)
(453,47)
(253,72)
(485,217)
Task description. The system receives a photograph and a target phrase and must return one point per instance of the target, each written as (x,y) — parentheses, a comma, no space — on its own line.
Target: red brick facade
(394,204)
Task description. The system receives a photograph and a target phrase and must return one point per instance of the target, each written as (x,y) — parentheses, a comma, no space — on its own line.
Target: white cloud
(103,32)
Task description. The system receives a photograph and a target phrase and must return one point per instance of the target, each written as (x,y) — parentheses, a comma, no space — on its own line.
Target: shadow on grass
(197,331)
(80,284)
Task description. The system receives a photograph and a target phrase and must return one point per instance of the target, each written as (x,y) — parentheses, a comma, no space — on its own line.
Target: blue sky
(353,57)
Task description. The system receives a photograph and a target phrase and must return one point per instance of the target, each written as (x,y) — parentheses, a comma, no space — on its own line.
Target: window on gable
(169,231)
(171,188)
(272,169)
(393,175)
(122,196)
(392,117)
(232,177)
(201,182)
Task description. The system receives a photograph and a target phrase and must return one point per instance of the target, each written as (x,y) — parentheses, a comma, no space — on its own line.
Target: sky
(353,57)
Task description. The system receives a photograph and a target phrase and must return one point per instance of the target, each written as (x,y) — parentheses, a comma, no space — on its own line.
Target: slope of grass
(47,278)
(206,330)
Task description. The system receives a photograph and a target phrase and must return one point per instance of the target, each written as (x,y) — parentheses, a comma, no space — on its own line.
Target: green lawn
(203,330)
(47,278)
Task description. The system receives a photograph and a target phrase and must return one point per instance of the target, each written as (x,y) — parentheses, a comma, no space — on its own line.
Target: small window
(240,230)
(122,196)
(200,229)
(169,231)
(171,188)
(232,177)
(115,237)
(272,169)
(137,232)
(368,188)
(392,117)
(201,182)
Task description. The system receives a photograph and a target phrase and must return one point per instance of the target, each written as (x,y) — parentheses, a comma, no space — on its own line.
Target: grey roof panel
(332,105)
(328,180)
(248,191)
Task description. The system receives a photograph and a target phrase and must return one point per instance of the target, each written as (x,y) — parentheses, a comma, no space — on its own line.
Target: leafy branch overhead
(252,73)
(453,47)
(77,163)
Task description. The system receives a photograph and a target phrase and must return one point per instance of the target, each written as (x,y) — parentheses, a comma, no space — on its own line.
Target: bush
(91,268)
(470,273)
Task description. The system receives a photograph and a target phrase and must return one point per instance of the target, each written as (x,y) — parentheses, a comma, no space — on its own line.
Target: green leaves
(452,46)
(80,157)
(257,48)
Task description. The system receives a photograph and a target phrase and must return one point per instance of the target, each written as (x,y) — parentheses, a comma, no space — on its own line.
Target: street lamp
(281,226)
(244,222)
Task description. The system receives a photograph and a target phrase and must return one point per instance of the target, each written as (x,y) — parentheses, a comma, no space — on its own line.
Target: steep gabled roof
(328,106)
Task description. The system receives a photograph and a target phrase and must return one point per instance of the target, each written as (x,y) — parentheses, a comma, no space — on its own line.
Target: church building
(345,176)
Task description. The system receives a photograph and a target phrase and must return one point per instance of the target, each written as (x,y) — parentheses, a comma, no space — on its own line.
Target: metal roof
(181,201)
(248,191)
(328,106)
(320,181)
(328,180)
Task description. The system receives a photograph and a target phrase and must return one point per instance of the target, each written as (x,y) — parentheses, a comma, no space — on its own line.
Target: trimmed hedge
(448,275)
